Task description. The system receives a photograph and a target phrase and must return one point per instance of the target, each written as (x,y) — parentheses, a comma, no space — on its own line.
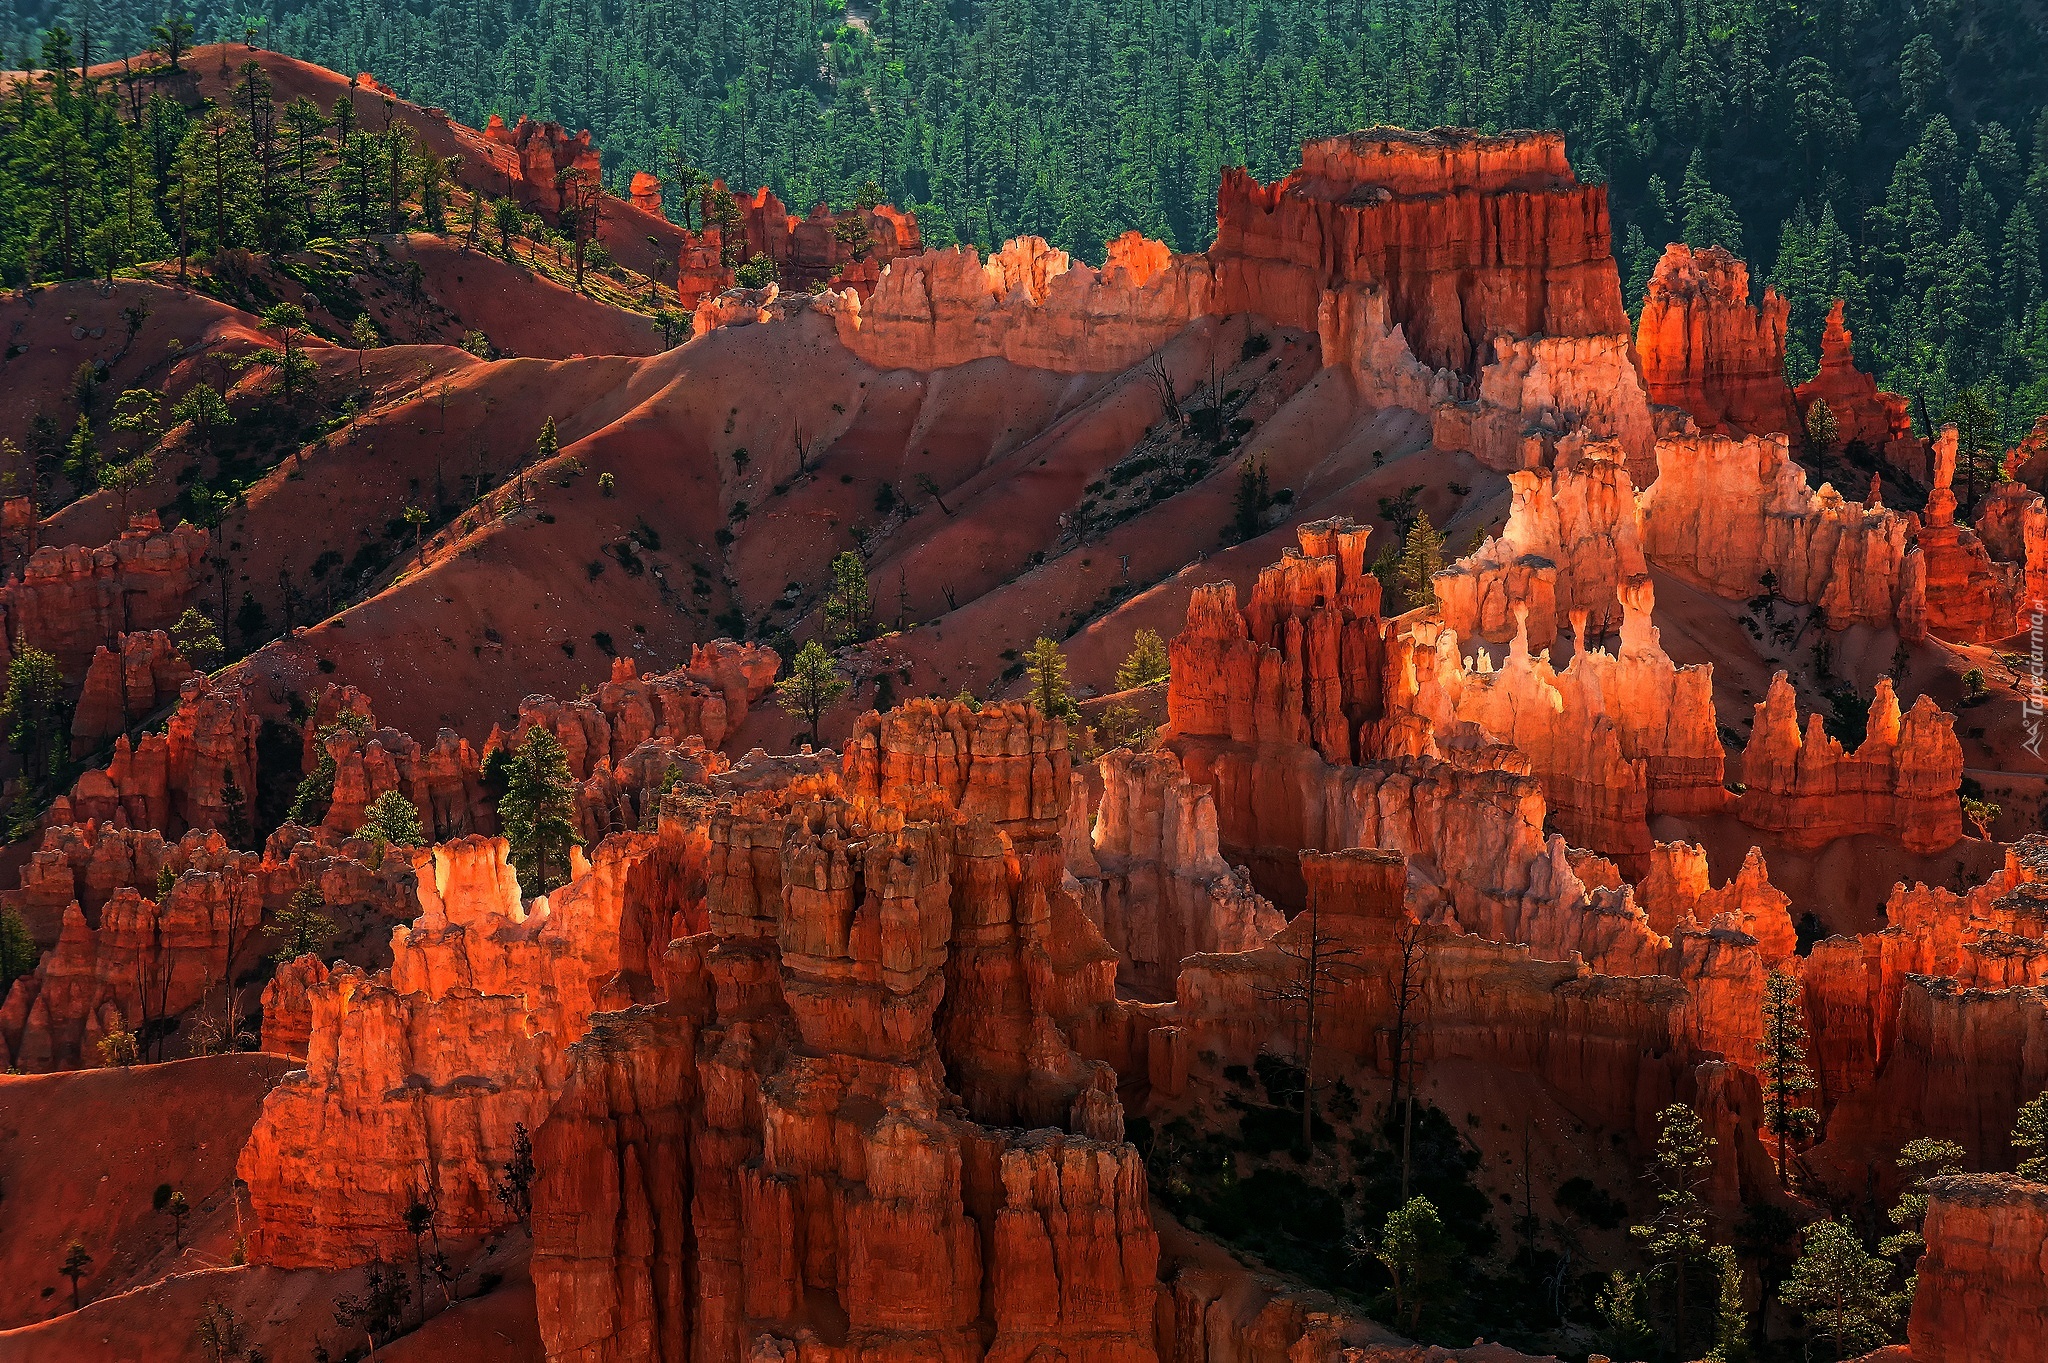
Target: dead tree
(1154,369)
(1407,996)
(1322,963)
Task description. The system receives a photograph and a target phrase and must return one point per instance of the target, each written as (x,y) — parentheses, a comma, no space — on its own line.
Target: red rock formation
(1675,893)
(1006,764)
(708,698)
(416,1078)
(1615,737)
(1987,937)
(1545,399)
(1467,237)
(847,249)
(1613,1043)
(2027,462)
(1723,512)
(83,862)
(782,1127)
(1901,783)
(124,685)
(1573,537)
(1970,599)
(1960,1063)
(1467,277)
(288,1006)
(1982,1289)
(1027,303)
(180,778)
(1864,414)
(129,950)
(645,192)
(1705,349)
(1165,891)
(536,157)
(71,602)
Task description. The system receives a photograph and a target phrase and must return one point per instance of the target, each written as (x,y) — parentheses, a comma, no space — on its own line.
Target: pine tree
(1782,1065)
(810,688)
(18,952)
(303,928)
(1731,1314)
(538,811)
(1842,1290)
(1624,1320)
(1709,218)
(2030,1133)
(234,806)
(848,604)
(1919,1160)
(1418,1253)
(1422,558)
(77,1263)
(1047,668)
(1146,663)
(1676,1237)
(33,711)
(1252,499)
(393,819)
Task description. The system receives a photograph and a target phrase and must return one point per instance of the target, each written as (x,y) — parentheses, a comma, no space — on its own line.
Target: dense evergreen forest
(1894,151)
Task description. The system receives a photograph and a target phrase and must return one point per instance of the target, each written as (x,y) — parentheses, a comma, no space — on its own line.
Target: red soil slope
(82,1153)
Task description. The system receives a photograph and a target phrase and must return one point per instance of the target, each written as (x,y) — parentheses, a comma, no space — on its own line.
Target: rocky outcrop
(1615,738)
(85,863)
(124,685)
(418,1077)
(847,249)
(1706,349)
(537,159)
(1572,538)
(1990,937)
(707,698)
(1723,512)
(1467,237)
(645,192)
(1005,764)
(1675,892)
(1467,277)
(71,602)
(1545,399)
(1970,598)
(1900,783)
(200,772)
(1166,893)
(1612,1043)
(1982,1289)
(1864,414)
(160,929)
(1027,303)
(776,1152)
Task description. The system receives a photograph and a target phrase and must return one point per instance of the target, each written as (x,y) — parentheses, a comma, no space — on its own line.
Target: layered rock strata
(1900,783)
(1164,890)
(1724,512)
(1572,538)
(71,602)
(1706,349)
(124,685)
